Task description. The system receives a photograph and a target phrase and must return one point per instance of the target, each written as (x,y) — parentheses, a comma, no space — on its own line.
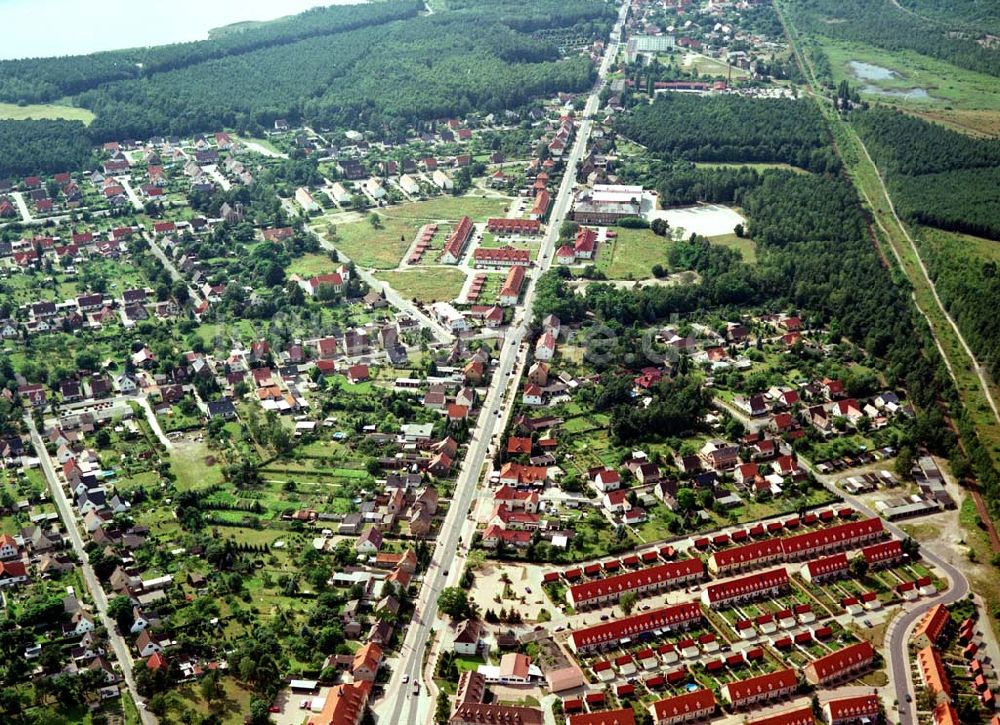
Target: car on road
(416,688)
(528,589)
(604,617)
(868,623)
(909,697)
(274,708)
(406,678)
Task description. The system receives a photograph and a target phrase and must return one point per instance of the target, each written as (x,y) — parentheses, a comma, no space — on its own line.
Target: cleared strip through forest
(976,390)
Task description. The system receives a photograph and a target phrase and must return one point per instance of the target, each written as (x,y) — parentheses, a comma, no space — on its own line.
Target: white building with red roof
(748,556)
(885,553)
(796,716)
(825,569)
(852,710)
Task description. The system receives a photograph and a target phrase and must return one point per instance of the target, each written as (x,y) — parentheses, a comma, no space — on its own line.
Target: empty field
(449,207)
(426,285)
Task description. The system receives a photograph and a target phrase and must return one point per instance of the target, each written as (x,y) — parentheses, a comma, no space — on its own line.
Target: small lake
(870,72)
(909,94)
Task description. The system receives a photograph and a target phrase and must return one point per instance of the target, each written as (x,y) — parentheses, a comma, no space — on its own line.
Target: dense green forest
(884,24)
(975,14)
(29,147)
(349,66)
(681,182)
(733,128)
(936,176)
(905,144)
(38,80)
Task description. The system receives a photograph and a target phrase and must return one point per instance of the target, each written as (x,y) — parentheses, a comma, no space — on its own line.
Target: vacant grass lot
(449,207)
(632,254)
(376,248)
(742,245)
(46,111)
(426,285)
(309,265)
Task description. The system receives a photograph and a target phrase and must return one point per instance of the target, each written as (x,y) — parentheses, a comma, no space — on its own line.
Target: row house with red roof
(651,580)
(842,665)
(764,688)
(796,716)
(826,568)
(748,588)
(687,707)
(852,710)
(454,246)
(606,635)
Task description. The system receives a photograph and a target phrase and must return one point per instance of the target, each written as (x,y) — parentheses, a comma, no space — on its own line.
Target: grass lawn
(309,265)
(632,254)
(426,285)
(744,246)
(380,248)
(230,709)
(947,85)
(14,112)
(711,67)
(449,207)
(188,462)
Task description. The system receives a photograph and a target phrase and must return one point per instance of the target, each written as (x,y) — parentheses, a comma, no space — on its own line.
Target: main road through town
(400,703)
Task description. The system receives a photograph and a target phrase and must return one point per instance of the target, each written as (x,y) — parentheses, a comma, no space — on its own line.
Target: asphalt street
(402,704)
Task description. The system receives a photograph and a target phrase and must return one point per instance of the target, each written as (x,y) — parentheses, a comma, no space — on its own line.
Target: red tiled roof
(528,226)
(458,238)
(835,663)
(883,551)
(932,623)
(615,630)
(662,573)
(850,708)
(828,565)
(747,585)
(701,701)
(773,682)
(842,534)
(502,255)
(748,553)
(932,670)
(798,716)
(624,716)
